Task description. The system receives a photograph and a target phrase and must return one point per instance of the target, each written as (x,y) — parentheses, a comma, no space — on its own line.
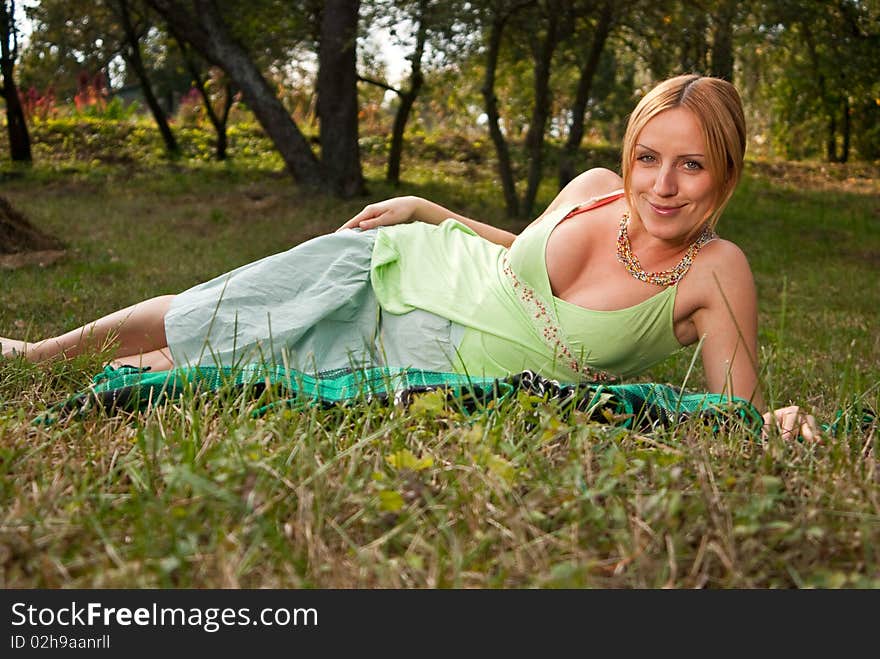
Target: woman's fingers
(380,217)
(383,213)
(810,429)
(367,213)
(792,422)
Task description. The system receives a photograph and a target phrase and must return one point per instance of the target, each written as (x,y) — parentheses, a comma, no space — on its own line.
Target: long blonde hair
(717,106)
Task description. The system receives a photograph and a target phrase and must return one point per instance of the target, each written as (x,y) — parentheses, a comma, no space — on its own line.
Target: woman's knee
(164,299)
(160,304)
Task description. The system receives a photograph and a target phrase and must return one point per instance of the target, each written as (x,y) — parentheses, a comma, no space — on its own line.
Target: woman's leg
(135,330)
(157,360)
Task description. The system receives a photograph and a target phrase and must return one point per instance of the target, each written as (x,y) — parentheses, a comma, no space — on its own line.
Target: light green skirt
(311,308)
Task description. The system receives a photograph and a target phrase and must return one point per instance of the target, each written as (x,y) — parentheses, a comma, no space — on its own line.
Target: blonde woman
(614,276)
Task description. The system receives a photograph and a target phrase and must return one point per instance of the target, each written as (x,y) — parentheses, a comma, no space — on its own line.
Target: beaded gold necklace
(665,277)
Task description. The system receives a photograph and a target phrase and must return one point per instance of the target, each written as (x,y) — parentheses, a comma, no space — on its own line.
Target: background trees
(429,32)
(819,67)
(524,73)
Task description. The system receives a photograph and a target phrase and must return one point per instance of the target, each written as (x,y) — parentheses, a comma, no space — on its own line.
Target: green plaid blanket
(637,405)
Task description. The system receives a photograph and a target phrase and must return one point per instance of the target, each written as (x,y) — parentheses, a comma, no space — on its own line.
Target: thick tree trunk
(407,99)
(338,99)
(722,42)
(582,96)
(16,126)
(540,111)
(505,171)
(208,35)
(695,49)
(132,57)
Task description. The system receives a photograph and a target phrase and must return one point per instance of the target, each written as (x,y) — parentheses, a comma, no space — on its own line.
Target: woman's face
(671,186)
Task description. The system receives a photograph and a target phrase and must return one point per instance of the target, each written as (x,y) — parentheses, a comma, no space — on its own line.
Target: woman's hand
(792,422)
(384,213)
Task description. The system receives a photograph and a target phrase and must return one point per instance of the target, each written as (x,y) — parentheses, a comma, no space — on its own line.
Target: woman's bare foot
(13,348)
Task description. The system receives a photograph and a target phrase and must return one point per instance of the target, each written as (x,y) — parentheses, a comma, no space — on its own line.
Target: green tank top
(503,298)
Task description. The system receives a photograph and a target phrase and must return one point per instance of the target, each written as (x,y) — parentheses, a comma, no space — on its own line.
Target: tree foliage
(820,83)
(520,72)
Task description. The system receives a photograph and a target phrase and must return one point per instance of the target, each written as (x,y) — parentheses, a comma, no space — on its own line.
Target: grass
(198,493)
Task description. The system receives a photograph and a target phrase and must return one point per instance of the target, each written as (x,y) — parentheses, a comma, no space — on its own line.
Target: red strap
(596,204)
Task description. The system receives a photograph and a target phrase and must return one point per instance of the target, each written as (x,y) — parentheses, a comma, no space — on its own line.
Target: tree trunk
(135,62)
(505,170)
(16,126)
(132,56)
(694,49)
(831,141)
(722,42)
(217,121)
(407,99)
(844,156)
(208,35)
(338,99)
(222,121)
(582,97)
(540,110)
(825,103)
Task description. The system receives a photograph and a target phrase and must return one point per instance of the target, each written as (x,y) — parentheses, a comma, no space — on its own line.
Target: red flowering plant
(39,105)
(91,95)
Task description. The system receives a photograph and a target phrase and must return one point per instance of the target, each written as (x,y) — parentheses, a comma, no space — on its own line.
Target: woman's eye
(645,157)
(693,165)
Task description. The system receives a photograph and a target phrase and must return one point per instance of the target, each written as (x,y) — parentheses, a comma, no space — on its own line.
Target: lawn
(199,492)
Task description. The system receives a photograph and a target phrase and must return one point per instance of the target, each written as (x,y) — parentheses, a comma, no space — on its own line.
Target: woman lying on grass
(614,276)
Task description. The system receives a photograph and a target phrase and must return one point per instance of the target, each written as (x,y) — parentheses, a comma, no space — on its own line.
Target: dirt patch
(863,257)
(18,235)
(41,258)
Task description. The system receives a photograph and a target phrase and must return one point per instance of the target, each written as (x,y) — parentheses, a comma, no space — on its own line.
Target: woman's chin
(670,228)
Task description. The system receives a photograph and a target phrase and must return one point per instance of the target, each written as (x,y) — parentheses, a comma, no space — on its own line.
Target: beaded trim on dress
(548,329)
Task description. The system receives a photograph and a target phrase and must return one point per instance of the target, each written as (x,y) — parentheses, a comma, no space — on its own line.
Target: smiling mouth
(665,209)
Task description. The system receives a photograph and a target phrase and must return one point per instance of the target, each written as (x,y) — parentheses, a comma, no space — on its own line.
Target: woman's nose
(664,183)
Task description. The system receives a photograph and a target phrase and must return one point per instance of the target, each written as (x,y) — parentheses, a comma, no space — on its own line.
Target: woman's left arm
(728,323)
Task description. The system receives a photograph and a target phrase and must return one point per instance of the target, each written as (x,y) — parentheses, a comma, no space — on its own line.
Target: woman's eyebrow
(682,155)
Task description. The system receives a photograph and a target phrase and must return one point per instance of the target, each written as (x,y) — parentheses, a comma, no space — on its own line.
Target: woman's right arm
(415,209)
(592,183)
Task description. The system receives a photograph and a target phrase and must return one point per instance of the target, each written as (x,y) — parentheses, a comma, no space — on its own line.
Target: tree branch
(379,83)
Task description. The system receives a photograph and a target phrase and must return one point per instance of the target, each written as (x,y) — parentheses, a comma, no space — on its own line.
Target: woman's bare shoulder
(722,262)
(719,282)
(592,183)
(726,252)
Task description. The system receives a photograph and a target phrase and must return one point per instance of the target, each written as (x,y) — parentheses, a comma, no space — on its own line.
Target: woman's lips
(665,210)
